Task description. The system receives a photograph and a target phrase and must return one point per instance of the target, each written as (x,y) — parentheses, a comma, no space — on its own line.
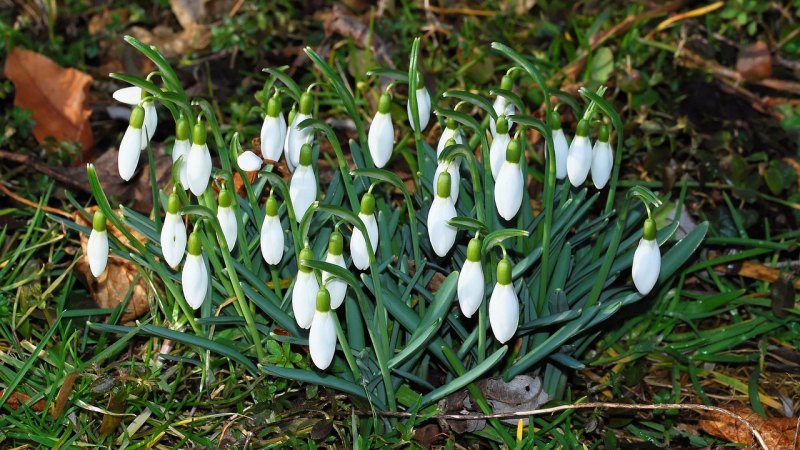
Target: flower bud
(97,247)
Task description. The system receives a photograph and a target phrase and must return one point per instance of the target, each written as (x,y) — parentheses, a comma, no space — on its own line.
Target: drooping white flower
(296,137)
(560,145)
(509,186)
(579,156)
(381,133)
(441,234)
(450,131)
(180,151)
(602,159)
(471,283)
(450,167)
(130,146)
(305,290)
(150,122)
(322,337)
(646,260)
(501,104)
(273,131)
(194,278)
(497,151)
(358,245)
(504,305)
(423,105)
(97,247)
(198,166)
(227,218)
(130,95)
(272,239)
(303,185)
(173,233)
(336,286)
(249,161)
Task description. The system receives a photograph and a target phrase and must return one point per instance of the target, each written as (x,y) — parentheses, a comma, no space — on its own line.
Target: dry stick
(27,202)
(542,411)
(63,178)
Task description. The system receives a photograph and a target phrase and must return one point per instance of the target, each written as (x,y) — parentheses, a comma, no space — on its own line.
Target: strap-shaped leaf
(495,238)
(511,97)
(469,224)
(293,88)
(322,379)
(392,74)
(462,381)
(414,345)
(474,99)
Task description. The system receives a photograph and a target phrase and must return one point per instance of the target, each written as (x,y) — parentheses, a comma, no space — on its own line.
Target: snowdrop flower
(322,337)
(273,131)
(579,156)
(296,137)
(451,131)
(497,151)
(560,146)
(180,151)
(272,234)
(130,95)
(423,105)
(501,104)
(194,278)
(602,159)
(451,168)
(509,186)
(336,286)
(504,306)
(440,232)
(227,218)
(646,260)
(150,122)
(305,291)
(97,247)
(358,245)
(471,284)
(198,165)
(303,185)
(381,133)
(249,161)
(130,147)
(173,233)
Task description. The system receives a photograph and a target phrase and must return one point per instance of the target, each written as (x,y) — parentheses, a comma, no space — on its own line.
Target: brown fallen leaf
(756,271)
(63,394)
(754,62)
(174,44)
(17,399)
(188,12)
(779,433)
(56,96)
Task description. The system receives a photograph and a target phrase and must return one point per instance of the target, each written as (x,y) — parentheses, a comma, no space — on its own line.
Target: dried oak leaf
(17,399)
(778,432)
(56,96)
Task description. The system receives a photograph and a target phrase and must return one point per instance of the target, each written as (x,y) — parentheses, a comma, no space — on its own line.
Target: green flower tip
(649,233)
(225,198)
(504,271)
(603,134)
(335,243)
(367,204)
(137,117)
(292,113)
(506,82)
(555,120)
(451,123)
(474,250)
(182,129)
(199,134)
(305,155)
(274,106)
(450,142)
(194,244)
(99,221)
(173,204)
(443,185)
(583,128)
(502,124)
(272,206)
(384,104)
(513,151)
(305,255)
(323,300)
(306,102)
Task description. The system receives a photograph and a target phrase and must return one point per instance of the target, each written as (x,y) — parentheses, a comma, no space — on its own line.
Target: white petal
(503,312)
(97,252)
(227,221)
(561,150)
(646,266)
(508,190)
(181,149)
(129,150)
(471,287)
(501,106)
(497,152)
(423,107)
(381,139)
(579,160)
(358,250)
(273,136)
(372,229)
(455,177)
(304,298)
(295,140)
(302,190)
(198,168)
(194,280)
(150,120)
(440,232)
(249,161)
(272,240)
(447,134)
(322,339)
(173,239)
(130,95)
(336,287)
(602,163)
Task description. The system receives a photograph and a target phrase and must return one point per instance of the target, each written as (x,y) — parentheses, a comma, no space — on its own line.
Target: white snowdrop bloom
(305,291)
(501,104)
(579,156)
(273,131)
(130,95)
(97,247)
(249,161)
(450,131)
(303,185)
(646,260)
(150,122)
(510,183)
(358,245)
(497,151)
(295,137)
(602,159)
(272,234)
(198,164)
(450,167)
(173,233)
(336,286)
(441,234)
(381,133)
(322,337)
(423,105)
(180,151)
(194,278)
(227,217)
(130,146)
(471,283)
(560,145)
(504,305)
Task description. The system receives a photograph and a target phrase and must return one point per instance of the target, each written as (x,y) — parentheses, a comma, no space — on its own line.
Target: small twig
(555,409)
(63,178)
(32,204)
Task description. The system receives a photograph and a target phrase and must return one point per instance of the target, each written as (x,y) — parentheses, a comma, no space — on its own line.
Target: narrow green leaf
(474,99)
(462,381)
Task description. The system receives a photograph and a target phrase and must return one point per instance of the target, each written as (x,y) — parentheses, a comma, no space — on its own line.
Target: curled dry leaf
(778,432)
